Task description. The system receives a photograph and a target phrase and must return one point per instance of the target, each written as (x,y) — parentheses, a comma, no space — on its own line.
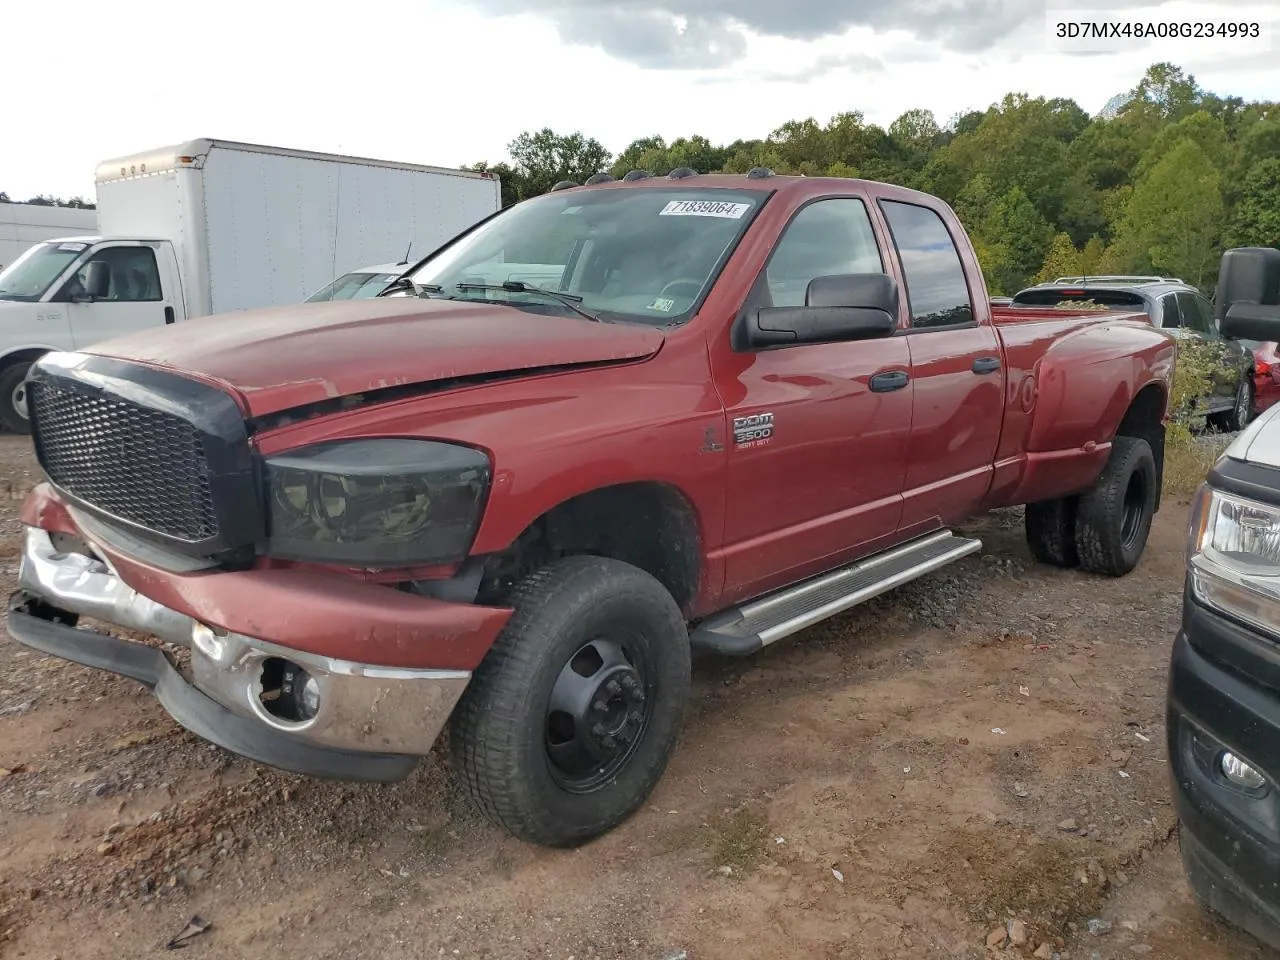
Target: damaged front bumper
(370,722)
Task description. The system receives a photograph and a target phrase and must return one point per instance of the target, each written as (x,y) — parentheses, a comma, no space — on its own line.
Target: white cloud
(441,83)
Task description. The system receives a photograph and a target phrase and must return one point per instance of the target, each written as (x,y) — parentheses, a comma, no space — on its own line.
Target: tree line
(1160,184)
(78,203)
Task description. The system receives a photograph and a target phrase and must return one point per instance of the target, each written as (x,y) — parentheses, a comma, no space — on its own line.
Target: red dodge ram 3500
(596,430)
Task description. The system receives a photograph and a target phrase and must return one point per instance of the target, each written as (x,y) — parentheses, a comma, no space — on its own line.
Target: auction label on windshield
(704,208)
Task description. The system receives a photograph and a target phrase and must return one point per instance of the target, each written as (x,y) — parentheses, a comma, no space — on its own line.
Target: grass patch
(1188,459)
(739,839)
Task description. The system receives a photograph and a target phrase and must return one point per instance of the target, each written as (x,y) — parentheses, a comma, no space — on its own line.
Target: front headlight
(1234,557)
(376,503)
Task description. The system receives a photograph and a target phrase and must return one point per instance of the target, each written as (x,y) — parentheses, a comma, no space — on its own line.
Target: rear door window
(937,289)
(1170,314)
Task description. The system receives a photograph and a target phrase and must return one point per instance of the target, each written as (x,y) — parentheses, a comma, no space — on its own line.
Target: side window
(1196,315)
(1170,313)
(936,286)
(826,238)
(135,277)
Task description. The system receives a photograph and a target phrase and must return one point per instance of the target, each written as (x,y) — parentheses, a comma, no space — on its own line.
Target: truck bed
(1004,316)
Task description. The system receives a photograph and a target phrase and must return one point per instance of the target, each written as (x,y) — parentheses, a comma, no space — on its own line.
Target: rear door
(957,373)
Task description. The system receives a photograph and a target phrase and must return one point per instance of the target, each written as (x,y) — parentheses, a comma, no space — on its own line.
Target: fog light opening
(1241,774)
(287,692)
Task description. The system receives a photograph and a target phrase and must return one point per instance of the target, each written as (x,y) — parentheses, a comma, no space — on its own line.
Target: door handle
(889,381)
(168,314)
(986,365)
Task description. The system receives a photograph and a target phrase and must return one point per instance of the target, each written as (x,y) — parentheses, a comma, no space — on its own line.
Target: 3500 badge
(753,430)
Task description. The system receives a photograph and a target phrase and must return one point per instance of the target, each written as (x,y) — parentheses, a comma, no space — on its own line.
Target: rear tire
(1051,531)
(13,398)
(568,723)
(1113,518)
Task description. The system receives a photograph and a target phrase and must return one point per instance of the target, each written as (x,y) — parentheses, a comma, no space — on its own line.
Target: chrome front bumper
(365,712)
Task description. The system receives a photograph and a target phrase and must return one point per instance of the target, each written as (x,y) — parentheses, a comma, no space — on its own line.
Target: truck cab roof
(760,178)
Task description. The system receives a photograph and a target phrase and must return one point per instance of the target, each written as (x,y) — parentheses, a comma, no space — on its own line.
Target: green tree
(1019,238)
(1257,217)
(1090,259)
(1105,154)
(1173,221)
(916,131)
(1063,260)
(545,157)
(1206,130)
(1165,93)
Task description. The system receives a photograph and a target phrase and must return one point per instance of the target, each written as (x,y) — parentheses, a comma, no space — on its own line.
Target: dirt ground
(980,747)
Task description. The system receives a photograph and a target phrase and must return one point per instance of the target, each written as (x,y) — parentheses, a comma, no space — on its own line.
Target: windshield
(28,277)
(644,254)
(354,286)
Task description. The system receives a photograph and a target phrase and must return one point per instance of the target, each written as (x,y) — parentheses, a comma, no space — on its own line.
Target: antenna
(406,255)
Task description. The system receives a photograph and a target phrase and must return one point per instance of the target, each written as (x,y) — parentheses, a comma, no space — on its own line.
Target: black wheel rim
(1135,508)
(597,714)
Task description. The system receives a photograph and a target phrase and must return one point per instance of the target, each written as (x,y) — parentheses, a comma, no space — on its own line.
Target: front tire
(13,398)
(1113,518)
(568,723)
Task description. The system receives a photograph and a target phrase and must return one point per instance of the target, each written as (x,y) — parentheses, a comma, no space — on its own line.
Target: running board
(746,629)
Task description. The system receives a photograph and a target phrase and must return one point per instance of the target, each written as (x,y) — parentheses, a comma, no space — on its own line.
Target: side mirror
(1248,300)
(855,306)
(97,279)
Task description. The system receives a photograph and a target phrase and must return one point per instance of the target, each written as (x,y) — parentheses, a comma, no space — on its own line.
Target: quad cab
(603,428)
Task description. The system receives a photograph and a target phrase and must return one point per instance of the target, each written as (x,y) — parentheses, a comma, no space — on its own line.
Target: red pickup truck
(597,430)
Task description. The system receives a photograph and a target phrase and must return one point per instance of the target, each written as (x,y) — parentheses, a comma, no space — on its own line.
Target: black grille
(144,466)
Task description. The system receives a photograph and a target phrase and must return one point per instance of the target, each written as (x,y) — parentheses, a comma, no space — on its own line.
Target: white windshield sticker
(662,303)
(704,208)
(72,247)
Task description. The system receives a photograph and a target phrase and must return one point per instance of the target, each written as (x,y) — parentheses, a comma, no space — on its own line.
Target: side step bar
(746,629)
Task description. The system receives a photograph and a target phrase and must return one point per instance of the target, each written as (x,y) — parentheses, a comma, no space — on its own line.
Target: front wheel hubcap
(596,716)
(19,400)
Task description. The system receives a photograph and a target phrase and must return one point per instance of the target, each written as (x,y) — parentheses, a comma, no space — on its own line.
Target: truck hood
(285,357)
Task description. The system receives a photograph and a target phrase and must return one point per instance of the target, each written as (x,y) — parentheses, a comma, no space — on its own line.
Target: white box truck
(214,226)
(23,225)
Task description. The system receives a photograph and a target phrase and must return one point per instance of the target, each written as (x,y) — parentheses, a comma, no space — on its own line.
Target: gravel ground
(971,766)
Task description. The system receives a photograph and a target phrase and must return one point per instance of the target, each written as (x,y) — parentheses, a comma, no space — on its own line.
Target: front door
(818,432)
(957,408)
(135,300)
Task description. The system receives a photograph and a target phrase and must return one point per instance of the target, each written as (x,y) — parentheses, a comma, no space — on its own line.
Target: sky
(449,82)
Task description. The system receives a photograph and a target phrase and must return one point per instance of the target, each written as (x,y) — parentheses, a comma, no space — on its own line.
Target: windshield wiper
(519,286)
(417,289)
